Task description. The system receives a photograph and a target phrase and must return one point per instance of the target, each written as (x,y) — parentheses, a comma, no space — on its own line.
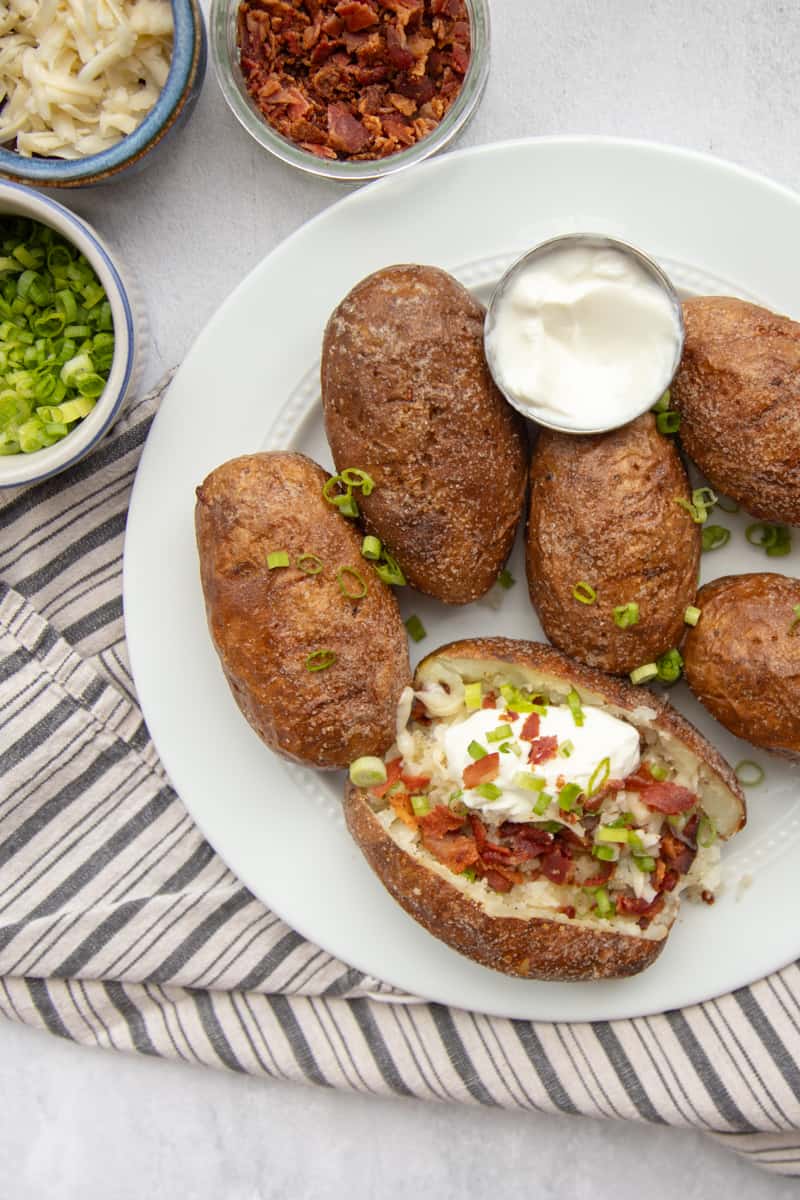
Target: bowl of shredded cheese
(72,329)
(89,89)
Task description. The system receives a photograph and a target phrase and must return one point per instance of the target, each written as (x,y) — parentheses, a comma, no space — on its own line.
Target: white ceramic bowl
(128,316)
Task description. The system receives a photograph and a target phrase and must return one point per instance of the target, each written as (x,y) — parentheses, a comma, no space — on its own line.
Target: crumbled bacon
(454,850)
(415,783)
(557,865)
(393,770)
(543,749)
(483,771)
(333,61)
(498,881)
(403,810)
(439,821)
(676,854)
(530,730)
(668,797)
(489,700)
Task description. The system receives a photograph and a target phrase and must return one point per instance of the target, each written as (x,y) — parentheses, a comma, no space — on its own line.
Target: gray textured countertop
(715,76)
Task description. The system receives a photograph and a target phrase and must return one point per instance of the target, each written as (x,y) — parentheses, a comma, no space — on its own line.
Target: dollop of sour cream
(601,736)
(583,337)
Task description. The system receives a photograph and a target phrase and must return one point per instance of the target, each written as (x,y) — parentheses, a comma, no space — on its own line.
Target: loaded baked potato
(408,397)
(611,554)
(542,818)
(742,659)
(738,393)
(310,639)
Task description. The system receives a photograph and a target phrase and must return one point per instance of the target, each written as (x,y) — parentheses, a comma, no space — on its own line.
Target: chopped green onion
(421,805)
(626,615)
(668,421)
(354,477)
(749,773)
(669,666)
(360,583)
(371,548)
(609,833)
(658,772)
(456,796)
(473,696)
(469,873)
(528,782)
(475,750)
(662,404)
(574,702)
(692,615)
(605,853)
(605,906)
(506,579)
(416,630)
(500,734)
(584,592)
(368,772)
(677,820)
(644,862)
(775,540)
(388,569)
(488,791)
(706,831)
(328,486)
(347,505)
(320,660)
(277,558)
(566,748)
(701,503)
(644,673)
(714,537)
(598,776)
(541,806)
(309,564)
(568,796)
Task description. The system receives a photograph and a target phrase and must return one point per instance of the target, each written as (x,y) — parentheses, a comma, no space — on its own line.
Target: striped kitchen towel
(120,927)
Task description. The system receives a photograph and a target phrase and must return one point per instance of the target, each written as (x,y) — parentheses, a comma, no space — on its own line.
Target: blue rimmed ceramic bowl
(128,316)
(171,110)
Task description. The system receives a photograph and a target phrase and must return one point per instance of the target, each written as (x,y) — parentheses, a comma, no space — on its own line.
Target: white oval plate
(250,382)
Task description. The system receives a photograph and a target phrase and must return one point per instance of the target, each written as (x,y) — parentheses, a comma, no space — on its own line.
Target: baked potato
(604,519)
(738,393)
(742,659)
(316,673)
(578,881)
(408,398)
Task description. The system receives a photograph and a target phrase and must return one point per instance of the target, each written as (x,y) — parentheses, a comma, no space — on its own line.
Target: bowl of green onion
(70,335)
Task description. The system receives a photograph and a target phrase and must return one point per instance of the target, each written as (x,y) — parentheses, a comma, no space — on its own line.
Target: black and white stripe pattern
(120,927)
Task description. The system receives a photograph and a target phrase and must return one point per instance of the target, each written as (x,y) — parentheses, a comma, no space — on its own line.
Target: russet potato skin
(603,511)
(264,623)
(408,397)
(742,659)
(738,393)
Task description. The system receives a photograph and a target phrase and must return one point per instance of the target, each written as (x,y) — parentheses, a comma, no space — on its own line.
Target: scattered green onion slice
(416,630)
(309,564)
(473,696)
(658,772)
(714,537)
(626,615)
(277,558)
(605,906)
(574,702)
(368,771)
(421,805)
(320,660)
(605,853)
(706,831)
(347,505)
(500,734)
(749,773)
(361,589)
(668,421)
(700,505)
(644,862)
(389,571)
(584,592)
(775,540)
(469,873)
(354,477)
(670,666)
(644,674)
(609,833)
(566,748)
(506,579)
(528,782)
(371,548)
(542,804)
(662,404)
(475,750)
(328,492)
(568,796)
(488,791)
(692,615)
(598,776)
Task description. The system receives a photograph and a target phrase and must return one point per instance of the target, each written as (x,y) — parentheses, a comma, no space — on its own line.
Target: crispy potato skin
(743,664)
(603,511)
(535,948)
(265,623)
(738,393)
(408,397)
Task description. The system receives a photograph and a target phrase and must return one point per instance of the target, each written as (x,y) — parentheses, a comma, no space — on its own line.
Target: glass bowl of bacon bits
(351,89)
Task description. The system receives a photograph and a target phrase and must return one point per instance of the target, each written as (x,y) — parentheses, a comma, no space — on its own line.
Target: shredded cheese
(78,75)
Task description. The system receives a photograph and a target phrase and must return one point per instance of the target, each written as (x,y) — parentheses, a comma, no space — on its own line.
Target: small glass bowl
(225,56)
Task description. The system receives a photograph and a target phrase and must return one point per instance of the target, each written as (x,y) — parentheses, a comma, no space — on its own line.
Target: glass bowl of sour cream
(584,333)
